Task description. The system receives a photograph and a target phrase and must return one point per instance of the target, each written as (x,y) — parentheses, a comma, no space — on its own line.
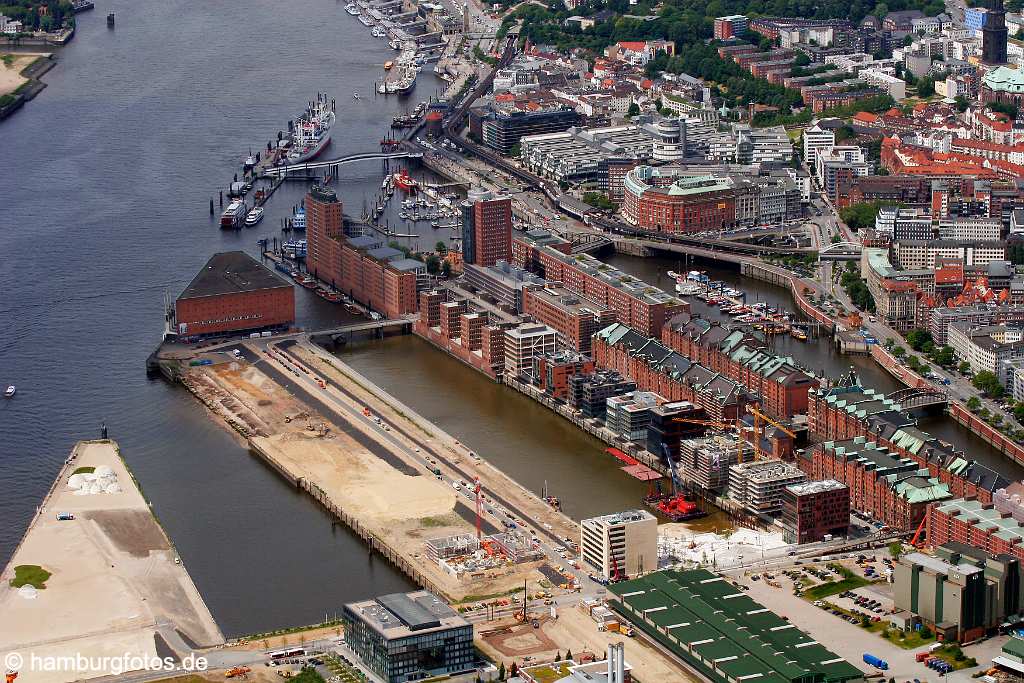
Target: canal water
(105,189)
(535,446)
(817,355)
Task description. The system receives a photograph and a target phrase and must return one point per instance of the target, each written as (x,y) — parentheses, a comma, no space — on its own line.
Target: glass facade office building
(409,636)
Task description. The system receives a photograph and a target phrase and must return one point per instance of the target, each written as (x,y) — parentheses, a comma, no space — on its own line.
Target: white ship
(312,131)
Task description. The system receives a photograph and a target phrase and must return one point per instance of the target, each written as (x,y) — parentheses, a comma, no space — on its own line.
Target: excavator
(235,671)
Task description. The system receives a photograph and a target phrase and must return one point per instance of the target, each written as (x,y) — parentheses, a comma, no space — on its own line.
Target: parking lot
(846,605)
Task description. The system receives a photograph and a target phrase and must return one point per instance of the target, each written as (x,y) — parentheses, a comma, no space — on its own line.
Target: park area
(11,66)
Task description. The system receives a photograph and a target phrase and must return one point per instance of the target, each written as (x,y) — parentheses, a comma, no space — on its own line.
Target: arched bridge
(840,251)
(350,159)
(916,398)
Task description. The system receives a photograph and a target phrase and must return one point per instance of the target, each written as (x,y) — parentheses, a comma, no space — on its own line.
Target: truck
(874,661)
(626,630)
(65,516)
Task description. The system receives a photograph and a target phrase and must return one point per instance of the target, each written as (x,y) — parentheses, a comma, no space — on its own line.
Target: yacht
(10,391)
(254,216)
(352,9)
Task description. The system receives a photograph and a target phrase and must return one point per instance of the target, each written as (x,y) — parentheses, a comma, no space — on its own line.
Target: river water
(105,189)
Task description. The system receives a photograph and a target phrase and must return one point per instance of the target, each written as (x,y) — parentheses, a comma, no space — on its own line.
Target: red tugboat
(405,181)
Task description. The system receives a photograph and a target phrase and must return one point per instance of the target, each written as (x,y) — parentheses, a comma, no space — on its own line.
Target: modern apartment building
(815,509)
(622,545)
(758,486)
(486,228)
(523,344)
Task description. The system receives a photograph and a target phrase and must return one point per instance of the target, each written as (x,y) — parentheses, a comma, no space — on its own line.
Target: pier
(311,425)
(104,579)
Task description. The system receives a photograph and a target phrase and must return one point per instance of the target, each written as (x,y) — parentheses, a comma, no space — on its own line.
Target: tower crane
(476,490)
(759,428)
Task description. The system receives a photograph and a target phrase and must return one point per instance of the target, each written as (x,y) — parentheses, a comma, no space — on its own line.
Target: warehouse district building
(718,630)
(234,293)
(409,636)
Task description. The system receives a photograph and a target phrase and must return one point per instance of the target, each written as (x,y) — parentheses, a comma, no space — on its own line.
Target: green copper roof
(1005,79)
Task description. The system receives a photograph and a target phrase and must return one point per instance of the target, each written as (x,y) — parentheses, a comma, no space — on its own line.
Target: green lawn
(84,470)
(31,574)
(953,655)
(823,590)
(551,672)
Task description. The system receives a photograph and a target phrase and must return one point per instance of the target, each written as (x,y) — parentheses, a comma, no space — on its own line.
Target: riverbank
(103,577)
(19,79)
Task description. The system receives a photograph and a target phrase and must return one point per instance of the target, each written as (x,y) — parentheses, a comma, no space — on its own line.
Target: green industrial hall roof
(710,623)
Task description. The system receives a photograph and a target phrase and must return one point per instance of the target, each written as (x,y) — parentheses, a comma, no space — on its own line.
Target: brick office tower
(486,228)
(324,230)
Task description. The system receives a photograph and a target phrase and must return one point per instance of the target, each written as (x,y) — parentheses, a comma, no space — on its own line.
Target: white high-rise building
(817,139)
(625,541)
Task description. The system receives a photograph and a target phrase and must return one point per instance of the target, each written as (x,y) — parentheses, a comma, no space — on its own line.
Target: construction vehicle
(242,671)
(916,540)
(674,506)
(626,630)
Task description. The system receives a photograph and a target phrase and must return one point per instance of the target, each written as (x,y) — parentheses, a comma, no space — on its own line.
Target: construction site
(95,578)
(412,492)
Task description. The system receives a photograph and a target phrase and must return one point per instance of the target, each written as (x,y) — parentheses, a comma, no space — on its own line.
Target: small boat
(254,216)
(355,95)
(250,162)
(388,64)
(10,391)
(352,9)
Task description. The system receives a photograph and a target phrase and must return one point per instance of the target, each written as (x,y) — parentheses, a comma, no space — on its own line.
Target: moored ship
(234,214)
(312,131)
(405,181)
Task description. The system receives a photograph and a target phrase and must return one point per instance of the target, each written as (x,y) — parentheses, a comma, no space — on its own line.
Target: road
(339,405)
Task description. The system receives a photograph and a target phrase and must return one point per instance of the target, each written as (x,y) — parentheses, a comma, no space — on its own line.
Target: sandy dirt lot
(10,76)
(576,631)
(403,509)
(114,585)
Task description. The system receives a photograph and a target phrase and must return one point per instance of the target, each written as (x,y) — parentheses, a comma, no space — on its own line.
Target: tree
(895,549)
(899,352)
(943,356)
(446,268)
(962,103)
(441,248)
(987,382)
(558,656)
(861,215)
(925,86)
(568,654)
(919,339)
(433,264)
(973,403)
(964,367)
(501,671)
(633,110)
